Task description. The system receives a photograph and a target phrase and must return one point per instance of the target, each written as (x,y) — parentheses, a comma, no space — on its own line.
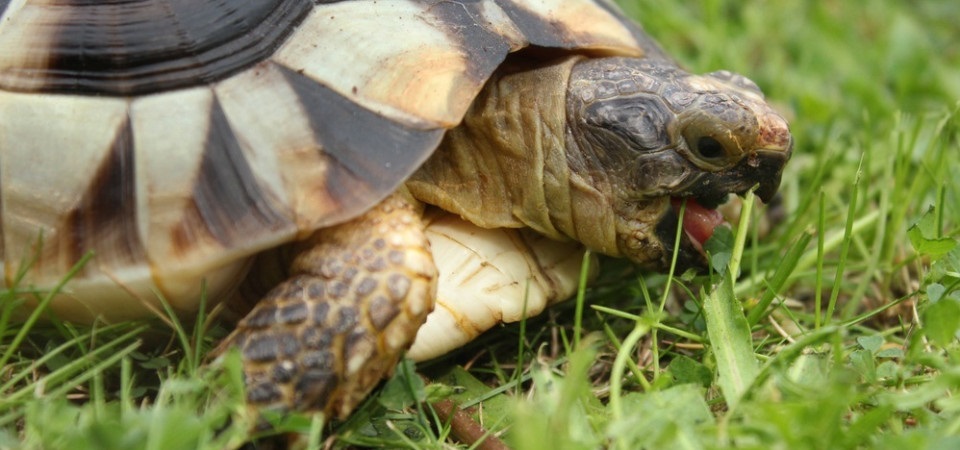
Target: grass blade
(779,279)
(732,345)
(727,327)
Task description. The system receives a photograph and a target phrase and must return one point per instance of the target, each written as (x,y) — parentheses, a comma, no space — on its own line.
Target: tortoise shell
(174,139)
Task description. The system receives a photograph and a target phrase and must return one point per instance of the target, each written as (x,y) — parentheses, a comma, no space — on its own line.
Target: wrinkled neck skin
(594,149)
(516,161)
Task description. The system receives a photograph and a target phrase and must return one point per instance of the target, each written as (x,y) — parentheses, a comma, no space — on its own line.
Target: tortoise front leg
(356,295)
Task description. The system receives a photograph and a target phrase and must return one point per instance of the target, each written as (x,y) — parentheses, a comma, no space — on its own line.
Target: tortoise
(381,149)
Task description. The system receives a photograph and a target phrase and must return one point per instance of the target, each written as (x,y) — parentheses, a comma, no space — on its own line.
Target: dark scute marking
(360,344)
(338,289)
(314,388)
(284,371)
(263,392)
(138,47)
(350,274)
(365,287)
(295,313)
(3,6)
(538,31)
(398,286)
(315,290)
(239,340)
(318,360)
(105,219)
(292,289)
(313,377)
(382,312)
(316,337)
(463,23)
(331,267)
(232,206)
(263,316)
(347,318)
(375,265)
(288,344)
(320,310)
(370,154)
(261,347)
(395,257)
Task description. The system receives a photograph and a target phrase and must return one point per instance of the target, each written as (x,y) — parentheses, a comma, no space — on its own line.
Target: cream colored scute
(128,293)
(178,245)
(491,276)
(592,26)
(43,180)
(399,59)
(27,29)
(167,170)
(495,19)
(50,171)
(386,57)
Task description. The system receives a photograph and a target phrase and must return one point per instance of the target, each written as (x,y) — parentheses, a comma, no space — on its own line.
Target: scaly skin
(356,295)
(593,150)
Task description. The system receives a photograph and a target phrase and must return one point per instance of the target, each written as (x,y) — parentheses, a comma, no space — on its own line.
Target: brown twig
(465,429)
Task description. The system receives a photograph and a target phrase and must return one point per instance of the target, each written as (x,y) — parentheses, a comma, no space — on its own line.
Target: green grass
(846,337)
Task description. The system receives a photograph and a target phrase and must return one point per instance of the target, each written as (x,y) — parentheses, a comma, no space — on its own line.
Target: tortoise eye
(710,149)
(711,144)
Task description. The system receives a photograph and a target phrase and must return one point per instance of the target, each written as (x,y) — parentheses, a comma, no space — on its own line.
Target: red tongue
(698,221)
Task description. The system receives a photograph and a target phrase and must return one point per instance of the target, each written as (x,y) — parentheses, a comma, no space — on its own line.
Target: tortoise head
(658,137)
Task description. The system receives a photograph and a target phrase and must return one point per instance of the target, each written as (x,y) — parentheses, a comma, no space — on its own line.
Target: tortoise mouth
(701,217)
(703,198)
(699,220)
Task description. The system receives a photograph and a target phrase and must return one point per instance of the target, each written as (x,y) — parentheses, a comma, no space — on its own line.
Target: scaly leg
(356,295)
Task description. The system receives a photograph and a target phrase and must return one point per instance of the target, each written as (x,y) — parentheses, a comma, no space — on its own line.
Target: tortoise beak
(769,179)
(761,168)
(765,169)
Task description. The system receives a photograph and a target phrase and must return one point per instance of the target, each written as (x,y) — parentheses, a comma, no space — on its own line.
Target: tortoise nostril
(710,148)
